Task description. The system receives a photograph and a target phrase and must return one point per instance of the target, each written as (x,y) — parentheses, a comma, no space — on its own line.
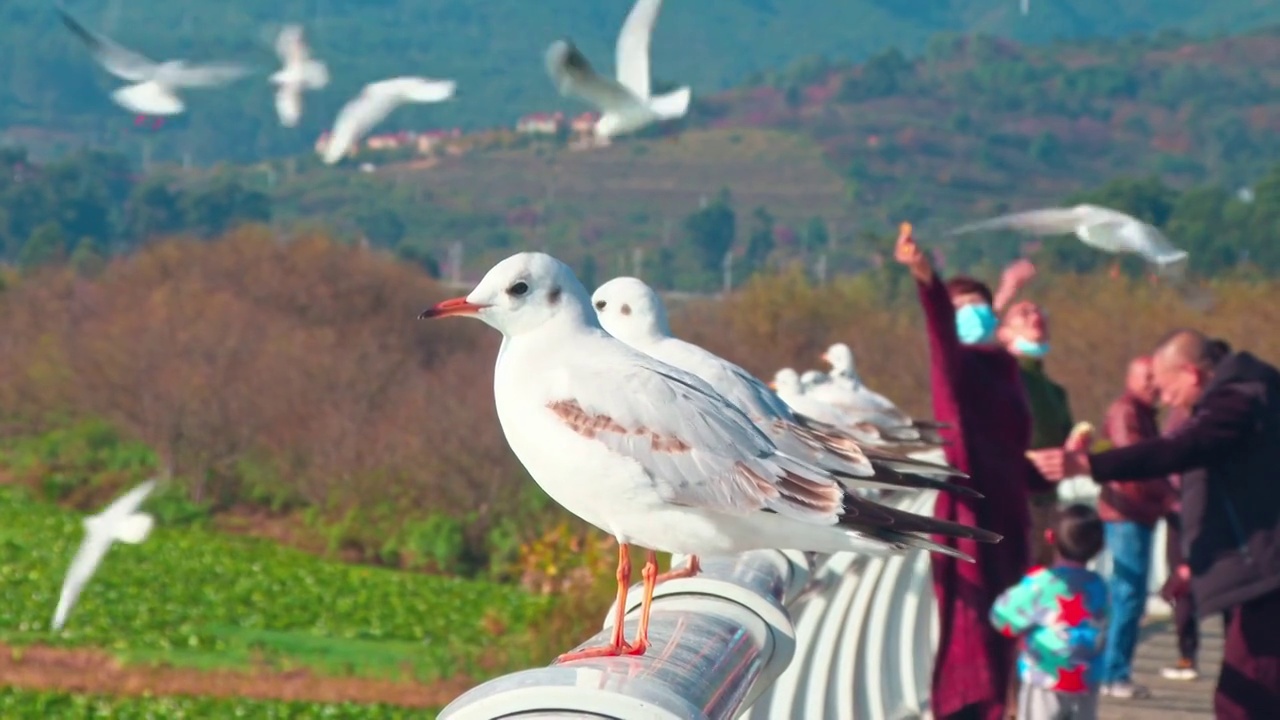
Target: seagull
(153,91)
(374,103)
(300,72)
(626,104)
(119,522)
(650,453)
(631,311)
(1098,227)
(847,392)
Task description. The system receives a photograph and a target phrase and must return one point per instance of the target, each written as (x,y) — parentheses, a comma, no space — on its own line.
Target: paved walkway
(1172,700)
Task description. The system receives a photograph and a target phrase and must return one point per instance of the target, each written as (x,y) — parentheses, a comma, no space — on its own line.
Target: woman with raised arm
(978,393)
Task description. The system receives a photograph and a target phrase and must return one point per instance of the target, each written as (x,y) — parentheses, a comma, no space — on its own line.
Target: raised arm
(939,313)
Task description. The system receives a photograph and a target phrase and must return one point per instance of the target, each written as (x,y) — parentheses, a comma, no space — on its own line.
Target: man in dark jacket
(1228,452)
(1130,508)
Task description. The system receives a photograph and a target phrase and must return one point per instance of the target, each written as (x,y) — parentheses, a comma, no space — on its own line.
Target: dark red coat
(978,391)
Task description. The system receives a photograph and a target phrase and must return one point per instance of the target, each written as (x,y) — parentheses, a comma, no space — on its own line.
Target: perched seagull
(625,104)
(1102,228)
(300,72)
(374,103)
(119,522)
(848,393)
(650,453)
(631,311)
(153,91)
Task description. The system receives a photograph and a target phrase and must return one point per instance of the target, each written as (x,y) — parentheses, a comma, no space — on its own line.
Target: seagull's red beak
(455,306)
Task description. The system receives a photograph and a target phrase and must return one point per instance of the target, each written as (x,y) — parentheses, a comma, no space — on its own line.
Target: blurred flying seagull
(1102,228)
(374,103)
(154,83)
(626,104)
(300,72)
(119,522)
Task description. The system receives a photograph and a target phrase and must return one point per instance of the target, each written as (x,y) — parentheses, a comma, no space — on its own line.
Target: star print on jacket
(1061,615)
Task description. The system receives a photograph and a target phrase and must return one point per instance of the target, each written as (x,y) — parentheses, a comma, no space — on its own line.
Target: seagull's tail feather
(434,91)
(672,105)
(133,529)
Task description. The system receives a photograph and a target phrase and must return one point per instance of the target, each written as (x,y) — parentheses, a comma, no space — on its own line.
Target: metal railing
(717,639)
(766,635)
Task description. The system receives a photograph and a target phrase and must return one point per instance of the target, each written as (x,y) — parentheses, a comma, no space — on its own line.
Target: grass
(191,597)
(39,705)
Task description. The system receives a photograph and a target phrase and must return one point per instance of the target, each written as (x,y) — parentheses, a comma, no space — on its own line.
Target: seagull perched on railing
(846,391)
(650,453)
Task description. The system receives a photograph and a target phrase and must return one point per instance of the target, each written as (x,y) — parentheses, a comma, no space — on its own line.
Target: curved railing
(766,635)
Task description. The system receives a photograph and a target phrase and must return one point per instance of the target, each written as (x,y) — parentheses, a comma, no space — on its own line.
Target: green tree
(711,231)
(46,246)
(760,242)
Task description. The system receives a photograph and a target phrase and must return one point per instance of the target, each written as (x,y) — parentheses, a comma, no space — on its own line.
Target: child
(1061,613)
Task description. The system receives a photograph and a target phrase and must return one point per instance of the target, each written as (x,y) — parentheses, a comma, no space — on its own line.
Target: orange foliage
(304,358)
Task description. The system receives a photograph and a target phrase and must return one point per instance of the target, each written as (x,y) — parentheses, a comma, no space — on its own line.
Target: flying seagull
(119,522)
(626,104)
(300,72)
(153,91)
(374,103)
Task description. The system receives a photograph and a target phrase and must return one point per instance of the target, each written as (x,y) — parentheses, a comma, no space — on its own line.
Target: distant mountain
(493,48)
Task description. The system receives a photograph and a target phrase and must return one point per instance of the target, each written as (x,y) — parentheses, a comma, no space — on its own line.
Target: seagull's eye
(518,289)
(600,304)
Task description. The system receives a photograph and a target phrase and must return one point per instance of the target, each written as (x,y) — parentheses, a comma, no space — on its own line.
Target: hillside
(973,128)
(493,49)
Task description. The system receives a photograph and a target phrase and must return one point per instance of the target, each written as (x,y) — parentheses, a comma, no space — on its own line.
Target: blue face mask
(976,324)
(1025,347)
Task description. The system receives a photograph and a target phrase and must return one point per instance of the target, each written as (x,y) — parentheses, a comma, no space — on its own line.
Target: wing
(415,89)
(210,75)
(1049,221)
(117,59)
(290,46)
(632,52)
(355,119)
(698,450)
(289,104)
(86,561)
(573,75)
(127,503)
(732,382)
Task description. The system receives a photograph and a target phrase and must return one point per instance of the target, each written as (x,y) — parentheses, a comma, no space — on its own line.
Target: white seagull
(118,522)
(847,392)
(153,91)
(300,72)
(374,103)
(626,104)
(650,453)
(631,311)
(1103,228)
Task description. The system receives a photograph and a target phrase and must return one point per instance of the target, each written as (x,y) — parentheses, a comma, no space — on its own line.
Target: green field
(23,705)
(192,598)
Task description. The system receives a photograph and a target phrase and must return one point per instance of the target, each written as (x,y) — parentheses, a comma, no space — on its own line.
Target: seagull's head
(630,310)
(786,381)
(520,294)
(839,357)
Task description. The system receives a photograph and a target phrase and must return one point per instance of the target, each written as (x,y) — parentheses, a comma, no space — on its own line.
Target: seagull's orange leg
(650,574)
(617,644)
(689,570)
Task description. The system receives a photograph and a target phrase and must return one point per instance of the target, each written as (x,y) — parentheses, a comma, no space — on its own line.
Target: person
(1130,510)
(1227,452)
(977,393)
(1176,589)
(1061,612)
(1024,331)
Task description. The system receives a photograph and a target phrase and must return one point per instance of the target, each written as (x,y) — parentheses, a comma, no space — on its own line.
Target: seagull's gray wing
(116,58)
(573,75)
(1047,221)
